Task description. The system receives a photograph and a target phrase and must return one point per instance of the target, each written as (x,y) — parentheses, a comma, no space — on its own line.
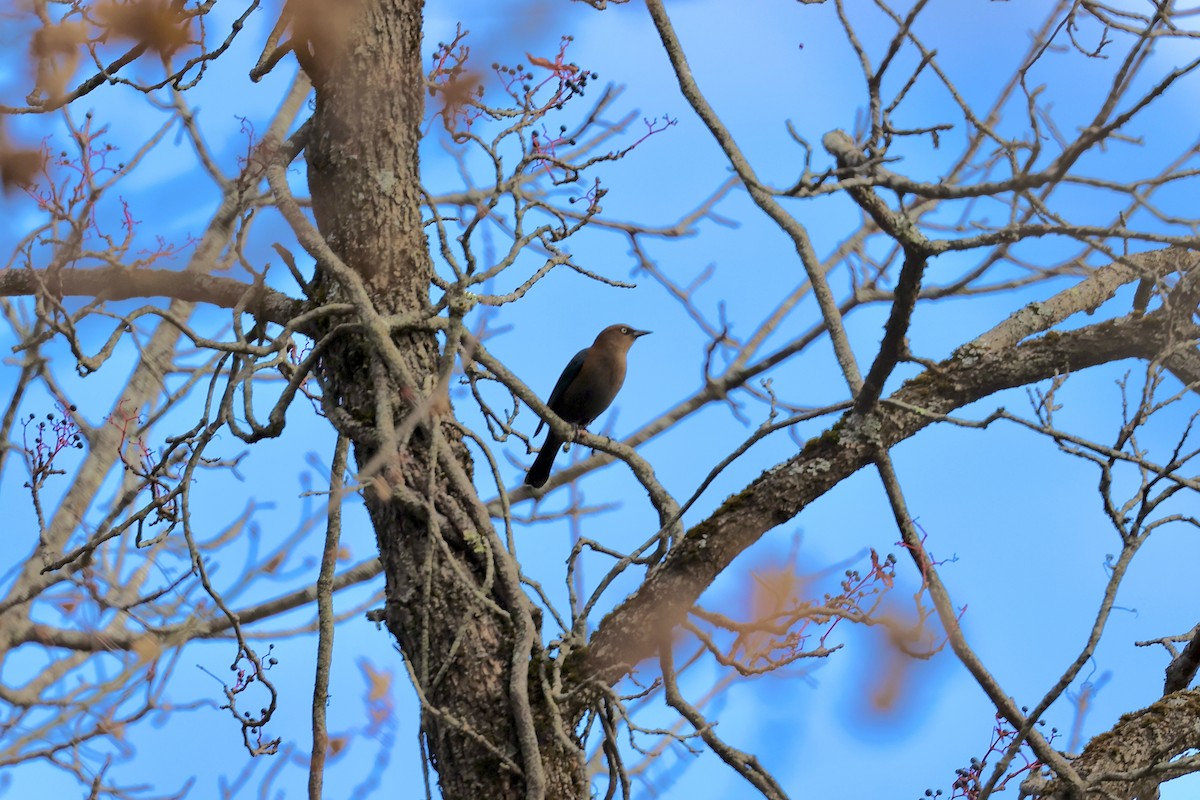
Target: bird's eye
(625,330)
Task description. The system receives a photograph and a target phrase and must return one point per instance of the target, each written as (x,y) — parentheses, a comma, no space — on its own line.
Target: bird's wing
(564,380)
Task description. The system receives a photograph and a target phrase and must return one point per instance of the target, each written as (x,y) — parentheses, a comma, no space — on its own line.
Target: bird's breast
(592,391)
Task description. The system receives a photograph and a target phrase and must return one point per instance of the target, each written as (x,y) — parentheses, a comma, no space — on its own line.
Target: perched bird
(585,388)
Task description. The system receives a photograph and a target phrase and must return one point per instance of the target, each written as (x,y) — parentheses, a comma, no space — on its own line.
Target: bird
(586,387)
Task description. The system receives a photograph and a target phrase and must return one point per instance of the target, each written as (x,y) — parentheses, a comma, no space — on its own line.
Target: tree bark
(1144,749)
(454,602)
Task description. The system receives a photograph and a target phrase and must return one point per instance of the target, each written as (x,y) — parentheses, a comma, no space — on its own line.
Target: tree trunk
(459,622)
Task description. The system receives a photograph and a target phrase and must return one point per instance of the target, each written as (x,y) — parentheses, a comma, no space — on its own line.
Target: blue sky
(1019,524)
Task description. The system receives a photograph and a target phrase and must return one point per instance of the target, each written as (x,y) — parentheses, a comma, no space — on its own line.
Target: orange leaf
(553,66)
(379,684)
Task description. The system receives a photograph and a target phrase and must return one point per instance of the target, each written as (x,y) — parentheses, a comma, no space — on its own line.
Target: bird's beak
(637,333)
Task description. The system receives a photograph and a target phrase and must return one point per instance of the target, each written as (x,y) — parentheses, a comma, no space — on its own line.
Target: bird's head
(620,336)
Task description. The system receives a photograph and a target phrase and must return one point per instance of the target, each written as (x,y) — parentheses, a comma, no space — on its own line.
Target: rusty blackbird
(585,388)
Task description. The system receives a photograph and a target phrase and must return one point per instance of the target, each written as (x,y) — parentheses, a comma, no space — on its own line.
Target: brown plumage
(586,387)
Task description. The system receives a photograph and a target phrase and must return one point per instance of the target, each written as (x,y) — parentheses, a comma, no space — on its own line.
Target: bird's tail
(539,473)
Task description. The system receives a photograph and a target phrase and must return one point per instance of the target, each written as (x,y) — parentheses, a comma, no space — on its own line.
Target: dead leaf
(19,168)
(147,647)
(158,24)
(56,53)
